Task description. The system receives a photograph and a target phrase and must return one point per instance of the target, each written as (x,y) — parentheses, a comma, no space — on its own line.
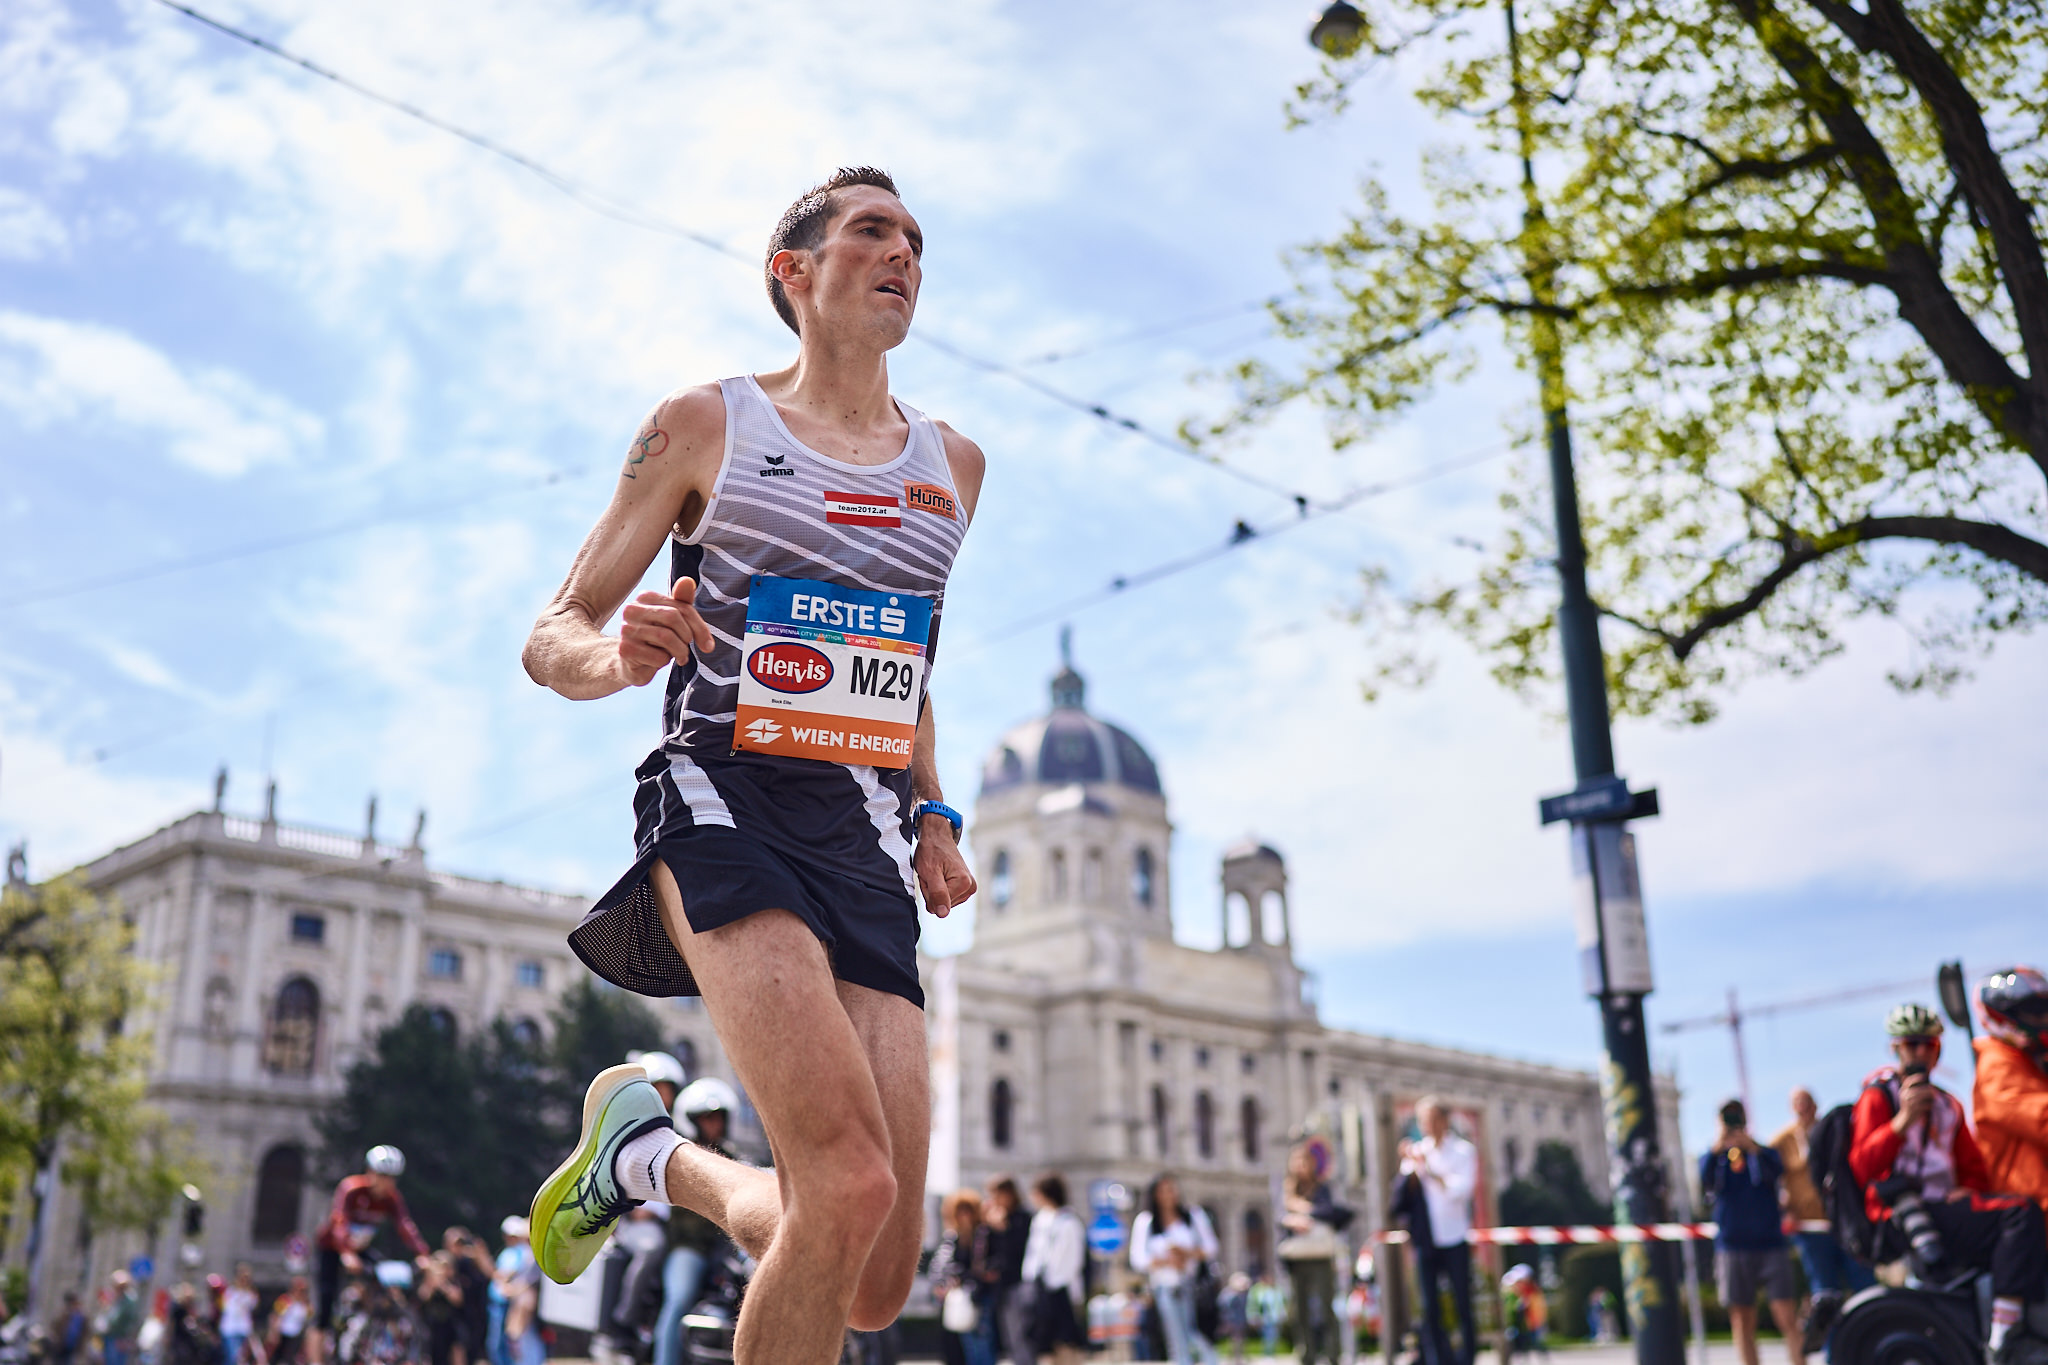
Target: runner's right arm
(666,482)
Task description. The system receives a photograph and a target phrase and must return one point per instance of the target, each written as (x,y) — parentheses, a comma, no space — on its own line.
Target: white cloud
(210,418)
(29,231)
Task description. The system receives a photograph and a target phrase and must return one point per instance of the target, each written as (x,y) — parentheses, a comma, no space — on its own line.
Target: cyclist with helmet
(363,1204)
(2011,1098)
(664,1071)
(1909,1132)
(703,1114)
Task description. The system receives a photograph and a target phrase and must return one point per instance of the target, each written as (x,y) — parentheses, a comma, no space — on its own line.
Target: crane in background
(1735,1015)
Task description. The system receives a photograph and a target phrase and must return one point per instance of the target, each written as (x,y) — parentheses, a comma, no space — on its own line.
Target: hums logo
(764,731)
(790,667)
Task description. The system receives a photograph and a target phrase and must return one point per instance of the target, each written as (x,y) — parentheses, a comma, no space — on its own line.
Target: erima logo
(764,731)
(775,467)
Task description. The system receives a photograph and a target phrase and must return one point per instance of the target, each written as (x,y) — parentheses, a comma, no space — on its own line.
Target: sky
(304,407)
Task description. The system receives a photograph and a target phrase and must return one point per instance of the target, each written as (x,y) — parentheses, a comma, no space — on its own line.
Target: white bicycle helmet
(706,1095)
(384,1159)
(660,1068)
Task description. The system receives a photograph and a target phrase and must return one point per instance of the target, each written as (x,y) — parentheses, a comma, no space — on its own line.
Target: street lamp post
(1614,953)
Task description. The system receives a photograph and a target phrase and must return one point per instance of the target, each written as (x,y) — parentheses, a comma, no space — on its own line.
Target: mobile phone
(1913,1069)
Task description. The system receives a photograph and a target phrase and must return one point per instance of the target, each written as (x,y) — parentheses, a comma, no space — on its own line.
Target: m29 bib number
(831,673)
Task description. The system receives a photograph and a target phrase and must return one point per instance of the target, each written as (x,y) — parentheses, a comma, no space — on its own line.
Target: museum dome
(1067,745)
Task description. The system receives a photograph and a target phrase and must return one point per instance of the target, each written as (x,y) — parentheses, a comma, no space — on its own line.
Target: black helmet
(2015,1005)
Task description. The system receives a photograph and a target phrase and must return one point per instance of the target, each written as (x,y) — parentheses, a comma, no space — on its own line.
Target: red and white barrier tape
(1605,1233)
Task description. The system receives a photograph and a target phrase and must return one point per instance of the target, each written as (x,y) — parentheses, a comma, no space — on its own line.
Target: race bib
(831,673)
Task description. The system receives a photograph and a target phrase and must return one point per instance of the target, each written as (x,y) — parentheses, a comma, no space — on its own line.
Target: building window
(1001,885)
(1001,1040)
(1536,1113)
(1142,889)
(1248,1063)
(529,973)
(1162,1129)
(1507,1111)
(309,929)
(1001,1115)
(1158,1050)
(1205,1126)
(443,1021)
(1511,1157)
(294,1029)
(684,1050)
(526,1033)
(1255,1241)
(278,1183)
(1336,1087)
(1248,1125)
(1202,1057)
(1059,874)
(444,964)
(1565,1117)
(1091,876)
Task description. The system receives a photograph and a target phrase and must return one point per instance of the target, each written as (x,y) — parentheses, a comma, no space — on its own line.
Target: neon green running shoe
(574,1211)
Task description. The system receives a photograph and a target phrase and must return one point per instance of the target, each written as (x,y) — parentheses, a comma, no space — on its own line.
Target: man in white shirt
(1448,1169)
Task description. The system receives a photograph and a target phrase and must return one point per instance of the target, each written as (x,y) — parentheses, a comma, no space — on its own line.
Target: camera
(1909,1210)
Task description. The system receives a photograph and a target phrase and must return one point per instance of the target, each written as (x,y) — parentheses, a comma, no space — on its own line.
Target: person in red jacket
(2011,1101)
(1909,1132)
(362,1205)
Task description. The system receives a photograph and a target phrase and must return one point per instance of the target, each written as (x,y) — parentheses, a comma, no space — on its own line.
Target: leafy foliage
(1788,249)
(481,1120)
(73,1062)
(1553,1193)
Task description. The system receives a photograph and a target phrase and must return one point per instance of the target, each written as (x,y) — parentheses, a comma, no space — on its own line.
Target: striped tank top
(780,509)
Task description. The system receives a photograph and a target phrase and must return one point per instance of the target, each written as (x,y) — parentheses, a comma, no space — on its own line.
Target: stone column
(247,1037)
(183,1046)
(354,985)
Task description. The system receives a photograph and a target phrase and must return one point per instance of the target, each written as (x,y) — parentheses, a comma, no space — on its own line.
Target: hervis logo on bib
(788,666)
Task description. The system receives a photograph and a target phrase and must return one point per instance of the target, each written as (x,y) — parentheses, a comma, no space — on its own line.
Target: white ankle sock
(2005,1315)
(642,1165)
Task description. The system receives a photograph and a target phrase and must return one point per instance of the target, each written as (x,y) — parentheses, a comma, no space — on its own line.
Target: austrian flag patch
(862,509)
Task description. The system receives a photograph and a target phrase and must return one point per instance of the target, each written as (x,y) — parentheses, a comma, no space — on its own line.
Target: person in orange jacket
(1909,1138)
(2011,1096)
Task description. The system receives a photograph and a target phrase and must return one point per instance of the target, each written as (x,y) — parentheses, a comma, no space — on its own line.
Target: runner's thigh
(769,989)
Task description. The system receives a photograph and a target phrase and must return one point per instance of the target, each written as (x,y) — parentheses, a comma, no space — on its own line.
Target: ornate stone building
(1076,1034)
(281,952)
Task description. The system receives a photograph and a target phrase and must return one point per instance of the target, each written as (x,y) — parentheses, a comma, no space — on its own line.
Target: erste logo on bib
(862,509)
(788,666)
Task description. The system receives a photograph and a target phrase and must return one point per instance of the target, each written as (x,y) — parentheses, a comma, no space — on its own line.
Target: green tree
(73,1064)
(1554,1193)
(481,1120)
(1790,250)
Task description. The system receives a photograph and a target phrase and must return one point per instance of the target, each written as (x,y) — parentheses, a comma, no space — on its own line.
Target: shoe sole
(548,1199)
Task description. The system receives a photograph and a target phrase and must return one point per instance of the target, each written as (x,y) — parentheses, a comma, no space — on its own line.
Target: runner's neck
(836,400)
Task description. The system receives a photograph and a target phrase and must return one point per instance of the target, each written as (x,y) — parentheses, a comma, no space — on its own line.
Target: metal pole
(1649,1270)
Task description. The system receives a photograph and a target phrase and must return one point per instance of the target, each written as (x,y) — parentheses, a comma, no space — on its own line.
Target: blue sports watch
(924,808)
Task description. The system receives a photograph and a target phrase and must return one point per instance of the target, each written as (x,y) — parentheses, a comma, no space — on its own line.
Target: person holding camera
(1927,1186)
(1740,1176)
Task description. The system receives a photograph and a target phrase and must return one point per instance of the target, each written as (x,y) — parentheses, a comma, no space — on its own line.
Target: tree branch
(1979,170)
(1925,300)
(1771,272)
(1989,538)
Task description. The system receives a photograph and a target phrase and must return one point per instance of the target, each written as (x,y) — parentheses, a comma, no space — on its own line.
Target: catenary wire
(603,204)
(246,550)
(1157,329)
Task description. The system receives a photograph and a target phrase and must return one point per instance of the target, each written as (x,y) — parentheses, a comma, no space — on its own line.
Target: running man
(792,811)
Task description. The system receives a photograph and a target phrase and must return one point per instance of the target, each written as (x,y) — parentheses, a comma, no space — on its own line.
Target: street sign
(1106,1235)
(1108,1196)
(1605,798)
(142,1268)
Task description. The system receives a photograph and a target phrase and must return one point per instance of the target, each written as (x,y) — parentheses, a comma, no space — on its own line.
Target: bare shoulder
(682,439)
(968,464)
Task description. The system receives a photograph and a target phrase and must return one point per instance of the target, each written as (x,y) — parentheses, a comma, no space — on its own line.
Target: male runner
(814,520)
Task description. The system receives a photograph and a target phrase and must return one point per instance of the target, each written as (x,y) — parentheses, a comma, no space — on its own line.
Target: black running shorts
(828,842)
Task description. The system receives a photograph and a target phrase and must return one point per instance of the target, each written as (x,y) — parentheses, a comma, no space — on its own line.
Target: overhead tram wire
(1147,333)
(606,206)
(1243,534)
(208,558)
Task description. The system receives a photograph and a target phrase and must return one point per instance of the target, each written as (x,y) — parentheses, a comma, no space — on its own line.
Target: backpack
(1841,1194)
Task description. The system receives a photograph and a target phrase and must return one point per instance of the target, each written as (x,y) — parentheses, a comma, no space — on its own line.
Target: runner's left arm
(942,871)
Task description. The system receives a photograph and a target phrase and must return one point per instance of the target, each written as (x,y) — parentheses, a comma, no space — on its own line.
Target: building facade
(1077,1035)
(280,953)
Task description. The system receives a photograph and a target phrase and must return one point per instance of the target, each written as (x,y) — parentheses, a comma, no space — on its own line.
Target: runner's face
(866,274)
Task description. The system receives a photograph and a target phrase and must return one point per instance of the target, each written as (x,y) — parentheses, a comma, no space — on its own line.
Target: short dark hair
(1734,1114)
(803,225)
(1054,1189)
